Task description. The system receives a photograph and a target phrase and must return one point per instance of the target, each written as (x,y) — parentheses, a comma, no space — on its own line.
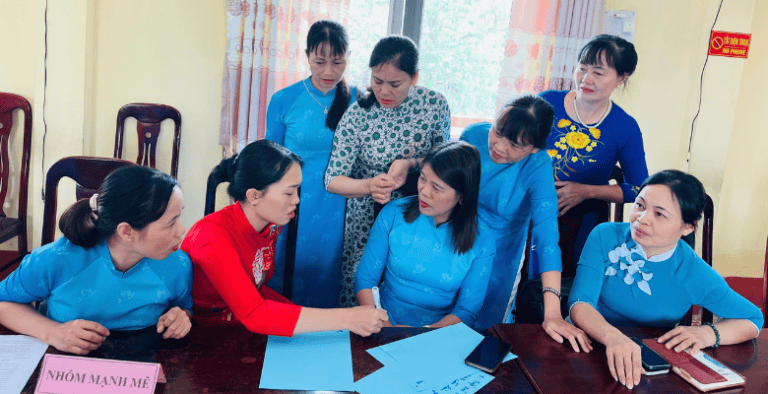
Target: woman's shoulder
(430,97)
(554,96)
(211,227)
(77,258)
(476,133)
(290,92)
(626,120)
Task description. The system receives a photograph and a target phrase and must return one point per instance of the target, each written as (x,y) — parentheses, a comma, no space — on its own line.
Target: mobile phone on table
(488,355)
(653,363)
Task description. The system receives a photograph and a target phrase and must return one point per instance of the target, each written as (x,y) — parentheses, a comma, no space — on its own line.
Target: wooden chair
(754,289)
(292,228)
(85,170)
(706,254)
(12,227)
(148,118)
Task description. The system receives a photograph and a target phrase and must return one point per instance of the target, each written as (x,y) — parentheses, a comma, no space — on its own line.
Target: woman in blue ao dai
(643,274)
(434,254)
(303,118)
(516,190)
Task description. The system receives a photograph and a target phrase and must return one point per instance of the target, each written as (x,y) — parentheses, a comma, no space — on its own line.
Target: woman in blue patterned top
(589,135)
(117,268)
(303,118)
(378,140)
(643,274)
(435,255)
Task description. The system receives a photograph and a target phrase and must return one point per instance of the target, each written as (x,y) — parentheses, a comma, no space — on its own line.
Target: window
(461,44)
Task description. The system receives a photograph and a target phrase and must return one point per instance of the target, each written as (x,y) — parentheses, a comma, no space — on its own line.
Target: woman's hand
(77,336)
(684,337)
(175,323)
(366,320)
(398,170)
(624,359)
(382,186)
(570,194)
(557,328)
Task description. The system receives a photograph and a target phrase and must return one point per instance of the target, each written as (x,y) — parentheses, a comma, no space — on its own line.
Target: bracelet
(717,333)
(551,290)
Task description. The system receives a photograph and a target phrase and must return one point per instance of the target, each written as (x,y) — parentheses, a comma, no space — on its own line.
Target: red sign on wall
(723,43)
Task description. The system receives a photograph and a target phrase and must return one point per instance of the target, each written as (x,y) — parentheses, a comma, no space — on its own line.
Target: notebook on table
(702,371)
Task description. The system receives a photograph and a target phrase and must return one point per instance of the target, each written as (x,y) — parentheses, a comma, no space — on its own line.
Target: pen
(376,299)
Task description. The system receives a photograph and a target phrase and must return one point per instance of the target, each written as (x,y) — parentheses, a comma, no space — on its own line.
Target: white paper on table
(387,380)
(19,356)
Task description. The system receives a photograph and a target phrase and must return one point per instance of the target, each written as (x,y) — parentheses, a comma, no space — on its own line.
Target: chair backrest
(8,104)
(765,288)
(148,118)
(706,254)
(291,228)
(618,208)
(85,170)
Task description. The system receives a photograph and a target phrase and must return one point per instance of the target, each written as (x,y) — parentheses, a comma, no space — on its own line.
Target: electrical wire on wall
(701,89)
(45,88)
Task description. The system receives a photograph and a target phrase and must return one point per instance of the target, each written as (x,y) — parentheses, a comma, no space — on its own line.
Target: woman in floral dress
(378,140)
(589,135)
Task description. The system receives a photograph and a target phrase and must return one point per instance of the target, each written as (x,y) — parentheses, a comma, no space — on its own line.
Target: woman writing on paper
(643,274)
(233,251)
(435,255)
(378,140)
(117,268)
(303,117)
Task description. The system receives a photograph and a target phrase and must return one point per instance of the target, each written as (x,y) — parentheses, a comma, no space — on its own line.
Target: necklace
(325,109)
(607,111)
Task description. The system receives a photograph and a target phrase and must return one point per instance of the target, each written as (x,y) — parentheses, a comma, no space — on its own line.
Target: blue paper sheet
(386,381)
(432,359)
(315,361)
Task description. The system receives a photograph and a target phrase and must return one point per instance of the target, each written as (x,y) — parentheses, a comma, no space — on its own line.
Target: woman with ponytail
(116,270)
(233,251)
(303,117)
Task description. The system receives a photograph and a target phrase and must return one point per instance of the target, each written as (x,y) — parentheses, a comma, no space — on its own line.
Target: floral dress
(365,144)
(587,156)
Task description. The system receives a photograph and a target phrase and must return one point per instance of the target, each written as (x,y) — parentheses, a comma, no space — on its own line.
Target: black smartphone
(488,354)
(653,363)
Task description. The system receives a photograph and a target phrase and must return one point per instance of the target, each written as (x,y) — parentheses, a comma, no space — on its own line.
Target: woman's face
(436,198)
(391,85)
(656,221)
(595,83)
(327,70)
(162,237)
(503,151)
(277,204)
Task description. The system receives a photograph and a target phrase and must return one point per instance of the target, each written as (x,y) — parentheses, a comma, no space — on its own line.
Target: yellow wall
(106,53)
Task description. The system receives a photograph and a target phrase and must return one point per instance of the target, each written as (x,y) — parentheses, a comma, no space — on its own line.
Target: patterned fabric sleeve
(632,160)
(544,230)
(472,291)
(442,119)
(346,144)
(275,114)
(183,282)
(588,283)
(32,280)
(376,253)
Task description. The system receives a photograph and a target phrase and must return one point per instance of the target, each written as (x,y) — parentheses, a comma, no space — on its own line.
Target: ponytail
(78,224)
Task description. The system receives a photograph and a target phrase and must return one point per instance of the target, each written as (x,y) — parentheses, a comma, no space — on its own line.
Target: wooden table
(229,360)
(555,368)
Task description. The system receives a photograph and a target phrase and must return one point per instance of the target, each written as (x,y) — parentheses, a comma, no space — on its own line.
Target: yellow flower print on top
(577,139)
(574,144)
(552,152)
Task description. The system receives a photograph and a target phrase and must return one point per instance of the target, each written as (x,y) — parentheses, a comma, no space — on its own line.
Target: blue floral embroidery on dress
(629,270)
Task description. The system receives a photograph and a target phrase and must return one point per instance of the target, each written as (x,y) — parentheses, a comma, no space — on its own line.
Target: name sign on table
(80,375)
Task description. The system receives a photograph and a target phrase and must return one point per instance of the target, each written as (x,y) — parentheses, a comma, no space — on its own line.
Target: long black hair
(457,164)
(619,53)
(688,191)
(527,120)
(399,51)
(136,195)
(260,164)
(332,34)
